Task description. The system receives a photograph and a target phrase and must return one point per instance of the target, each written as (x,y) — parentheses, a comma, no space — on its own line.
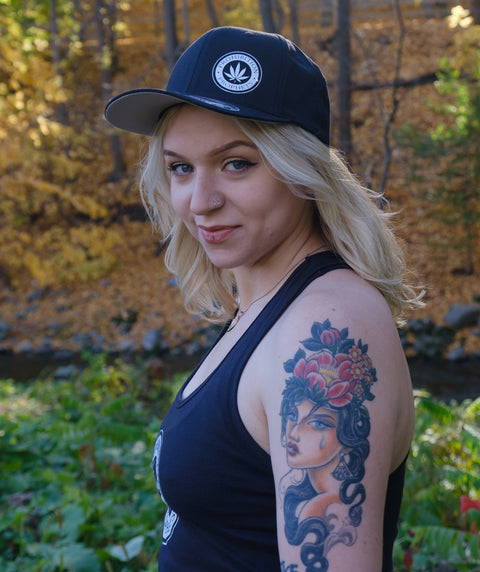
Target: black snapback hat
(239,72)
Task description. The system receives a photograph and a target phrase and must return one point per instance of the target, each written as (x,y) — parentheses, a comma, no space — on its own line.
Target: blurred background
(79,265)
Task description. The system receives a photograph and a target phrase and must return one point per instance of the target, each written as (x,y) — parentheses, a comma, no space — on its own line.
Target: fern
(455,546)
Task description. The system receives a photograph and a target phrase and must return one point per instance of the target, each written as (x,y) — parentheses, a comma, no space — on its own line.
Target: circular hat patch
(237,72)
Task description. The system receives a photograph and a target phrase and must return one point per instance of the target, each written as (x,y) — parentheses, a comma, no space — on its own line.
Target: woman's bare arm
(334,418)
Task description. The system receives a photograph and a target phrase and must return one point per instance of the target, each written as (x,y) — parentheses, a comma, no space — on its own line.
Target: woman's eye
(320,425)
(238,165)
(292,416)
(180,168)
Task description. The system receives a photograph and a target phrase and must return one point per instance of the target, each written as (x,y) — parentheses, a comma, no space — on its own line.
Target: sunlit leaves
(460,17)
(50,202)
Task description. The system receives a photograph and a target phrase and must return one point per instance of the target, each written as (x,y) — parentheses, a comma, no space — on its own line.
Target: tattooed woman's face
(311,436)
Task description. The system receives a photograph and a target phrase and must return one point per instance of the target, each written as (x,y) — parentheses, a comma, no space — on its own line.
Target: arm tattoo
(325,429)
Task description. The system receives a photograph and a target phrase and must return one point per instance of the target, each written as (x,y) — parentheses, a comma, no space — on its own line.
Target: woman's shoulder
(342,322)
(343,298)
(343,306)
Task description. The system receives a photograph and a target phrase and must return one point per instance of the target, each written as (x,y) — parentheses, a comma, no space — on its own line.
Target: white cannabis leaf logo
(236,74)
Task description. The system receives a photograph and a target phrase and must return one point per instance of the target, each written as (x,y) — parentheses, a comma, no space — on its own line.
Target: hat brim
(139,110)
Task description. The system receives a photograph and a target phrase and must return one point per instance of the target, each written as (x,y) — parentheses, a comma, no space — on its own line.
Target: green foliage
(452,150)
(77,491)
(442,467)
(76,486)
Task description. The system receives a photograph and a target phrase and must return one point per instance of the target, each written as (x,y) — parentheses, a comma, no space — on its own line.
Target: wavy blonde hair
(349,217)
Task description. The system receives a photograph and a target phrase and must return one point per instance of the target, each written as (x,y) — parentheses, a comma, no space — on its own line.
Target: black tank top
(216,480)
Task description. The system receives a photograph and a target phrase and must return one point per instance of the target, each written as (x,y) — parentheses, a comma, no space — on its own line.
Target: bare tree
(54,42)
(105,57)
(170,22)
(294,21)
(186,22)
(279,15)
(344,77)
(475,10)
(79,13)
(211,13)
(111,10)
(266,12)
(388,117)
(156,17)
(272,15)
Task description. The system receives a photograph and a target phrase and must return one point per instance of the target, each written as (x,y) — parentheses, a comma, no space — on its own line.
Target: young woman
(286,447)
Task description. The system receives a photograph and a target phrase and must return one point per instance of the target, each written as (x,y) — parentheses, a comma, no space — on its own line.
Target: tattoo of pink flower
(337,372)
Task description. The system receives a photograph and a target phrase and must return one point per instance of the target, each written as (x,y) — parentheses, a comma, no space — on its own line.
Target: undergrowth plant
(76,488)
(77,492)
(439,531)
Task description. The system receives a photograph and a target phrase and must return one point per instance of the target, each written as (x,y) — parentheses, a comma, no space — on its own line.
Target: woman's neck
(268,274)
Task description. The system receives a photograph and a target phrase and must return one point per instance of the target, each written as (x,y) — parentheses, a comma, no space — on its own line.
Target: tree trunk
(294,21)
(344,77)
(390,119)
(170,23)
(61,110)
(475,10)
(109,30)
(156,17)
(101,15)
(326,13)
(211,13)
(79,14)
(266,12)
(388,115)
(185,23)
(279,16)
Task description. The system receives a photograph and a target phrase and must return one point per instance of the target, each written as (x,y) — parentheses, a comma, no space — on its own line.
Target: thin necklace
(239,313)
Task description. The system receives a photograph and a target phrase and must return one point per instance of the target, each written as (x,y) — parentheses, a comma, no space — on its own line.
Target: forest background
(76,250)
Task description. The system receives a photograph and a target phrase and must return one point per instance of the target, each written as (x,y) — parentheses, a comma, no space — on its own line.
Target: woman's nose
(294,433)
(205,196)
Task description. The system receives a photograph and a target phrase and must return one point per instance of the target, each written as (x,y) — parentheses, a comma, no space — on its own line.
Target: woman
(268,232)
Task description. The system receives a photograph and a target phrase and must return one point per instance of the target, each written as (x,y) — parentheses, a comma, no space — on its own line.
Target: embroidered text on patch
(237,72)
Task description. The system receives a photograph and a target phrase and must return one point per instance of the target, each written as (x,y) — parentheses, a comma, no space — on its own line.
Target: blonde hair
(348,215)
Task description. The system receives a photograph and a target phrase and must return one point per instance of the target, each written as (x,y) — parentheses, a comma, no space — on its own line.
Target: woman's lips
(292,449)
(216,234)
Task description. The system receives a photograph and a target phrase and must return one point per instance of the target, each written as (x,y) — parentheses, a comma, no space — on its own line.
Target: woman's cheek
(180,206)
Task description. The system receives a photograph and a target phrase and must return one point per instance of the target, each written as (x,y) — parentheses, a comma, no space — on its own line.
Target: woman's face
(224,193)
(311,436)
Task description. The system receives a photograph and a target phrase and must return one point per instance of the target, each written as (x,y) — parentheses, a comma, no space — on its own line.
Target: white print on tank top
(171,517)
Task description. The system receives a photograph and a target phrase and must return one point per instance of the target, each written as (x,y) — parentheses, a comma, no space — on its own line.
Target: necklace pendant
(235,320)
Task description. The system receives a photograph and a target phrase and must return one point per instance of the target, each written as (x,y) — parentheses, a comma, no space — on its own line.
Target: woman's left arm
(339,413)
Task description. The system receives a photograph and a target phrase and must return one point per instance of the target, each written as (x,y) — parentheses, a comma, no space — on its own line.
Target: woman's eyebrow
(321,416)
(167,153)
(315,414)
(232,145)
(217,150)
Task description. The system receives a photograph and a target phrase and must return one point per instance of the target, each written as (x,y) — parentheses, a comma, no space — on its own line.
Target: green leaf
(128,551)
(77,558)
